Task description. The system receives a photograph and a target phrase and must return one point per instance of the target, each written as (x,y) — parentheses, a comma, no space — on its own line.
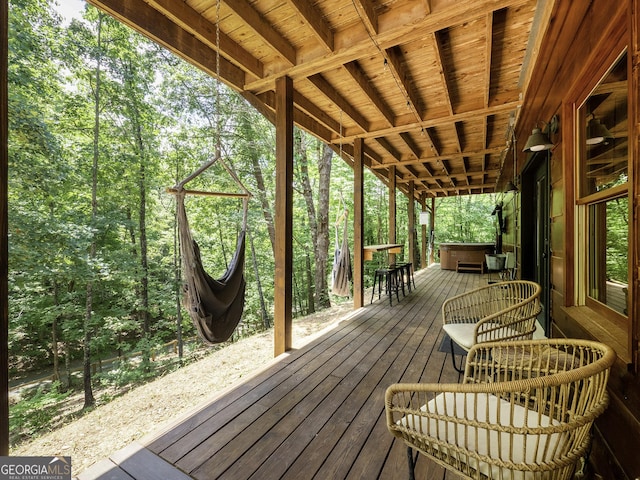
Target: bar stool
(408,269)
(399,274)
(389,276)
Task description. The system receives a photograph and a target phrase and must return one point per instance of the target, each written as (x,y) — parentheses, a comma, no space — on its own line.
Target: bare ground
(147,408)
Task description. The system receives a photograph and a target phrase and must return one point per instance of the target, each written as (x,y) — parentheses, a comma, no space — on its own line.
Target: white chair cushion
(539,333)
(464,333)
(461,333)
(517,448)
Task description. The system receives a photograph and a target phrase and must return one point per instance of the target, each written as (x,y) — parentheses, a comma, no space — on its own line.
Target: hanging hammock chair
(214,305)
(341,273)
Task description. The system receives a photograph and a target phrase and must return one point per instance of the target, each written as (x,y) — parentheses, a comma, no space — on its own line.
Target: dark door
(535,229)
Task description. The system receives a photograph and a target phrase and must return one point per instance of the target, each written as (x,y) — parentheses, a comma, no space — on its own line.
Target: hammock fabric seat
(215,305)
(341,273)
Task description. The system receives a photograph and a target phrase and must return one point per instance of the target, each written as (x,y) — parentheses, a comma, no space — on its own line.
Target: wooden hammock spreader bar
(202,193)
(203,167)
(179,187)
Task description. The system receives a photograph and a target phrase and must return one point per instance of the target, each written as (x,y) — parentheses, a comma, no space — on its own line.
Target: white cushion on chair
(461,333)
(531,448)
(464,333)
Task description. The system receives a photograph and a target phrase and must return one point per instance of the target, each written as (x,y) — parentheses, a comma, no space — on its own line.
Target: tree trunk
(266,320)
(307,193)
(89,400)
(322,242)
(67,365)
(142,225)
(177,266)
(262,196)
(54,336)
(309,278)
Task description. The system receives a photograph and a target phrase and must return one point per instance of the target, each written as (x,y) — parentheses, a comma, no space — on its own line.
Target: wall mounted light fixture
(539,139)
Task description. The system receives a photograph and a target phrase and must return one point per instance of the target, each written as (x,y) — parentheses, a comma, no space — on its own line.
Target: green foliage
(617,218)
(466,219)
(35,411)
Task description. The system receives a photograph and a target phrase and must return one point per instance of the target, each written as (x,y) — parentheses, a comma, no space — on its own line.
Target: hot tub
(452,253)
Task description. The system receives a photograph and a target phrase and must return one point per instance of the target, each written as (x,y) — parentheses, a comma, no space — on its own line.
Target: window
(608,251)
(603,192)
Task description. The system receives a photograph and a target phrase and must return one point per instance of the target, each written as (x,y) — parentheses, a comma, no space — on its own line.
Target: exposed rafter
(313,17)
(437,47)
(374,96)
(403,79)
(263,29)
(368,15)
(488,53)
(343,104)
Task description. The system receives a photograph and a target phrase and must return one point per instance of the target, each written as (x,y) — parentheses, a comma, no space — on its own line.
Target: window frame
(608,319)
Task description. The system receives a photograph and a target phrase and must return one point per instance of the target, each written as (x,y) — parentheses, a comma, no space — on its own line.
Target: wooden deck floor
(318,412)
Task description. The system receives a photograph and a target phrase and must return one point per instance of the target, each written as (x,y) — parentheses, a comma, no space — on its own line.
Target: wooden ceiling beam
(356,72)
(431,141)
(411,144)
(191,21)
(459,136)
(453,156)
(314,19)
(477,174)
(389,148)
(332,94)
(411,177)
(143,18)
(436,122)
(488,49)
(445,167)
(464,169)
(319,114)
(368,15)
(460,188)
(263,29)
(442,69)
(395,63)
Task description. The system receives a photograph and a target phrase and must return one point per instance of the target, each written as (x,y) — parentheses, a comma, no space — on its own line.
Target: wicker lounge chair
(523,411)
(496,312)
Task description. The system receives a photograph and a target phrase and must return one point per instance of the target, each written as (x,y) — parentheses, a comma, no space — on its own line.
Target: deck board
(318,412)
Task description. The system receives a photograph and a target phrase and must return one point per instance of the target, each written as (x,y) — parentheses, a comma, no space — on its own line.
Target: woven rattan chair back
(523,412)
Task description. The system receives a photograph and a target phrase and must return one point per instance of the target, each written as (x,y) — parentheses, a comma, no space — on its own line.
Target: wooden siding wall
(566,65)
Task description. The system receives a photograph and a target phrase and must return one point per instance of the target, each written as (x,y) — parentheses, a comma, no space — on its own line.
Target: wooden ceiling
(432,86)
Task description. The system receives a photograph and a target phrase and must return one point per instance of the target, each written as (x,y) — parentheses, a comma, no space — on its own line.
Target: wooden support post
(283,217)
(358,223)
(4,231)
(423,233)
(432,226)
(634,139)
(392,210)
(411,212)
